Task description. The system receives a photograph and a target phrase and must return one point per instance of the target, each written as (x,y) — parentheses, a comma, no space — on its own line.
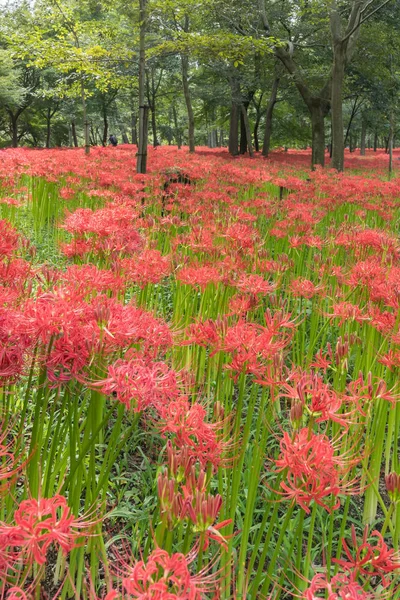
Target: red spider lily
(140,383)
(313,472)
(188,426)
(167,577)
(304,288)
(199,275)
(369,560)
(317,398)
(242,304)
(41,523)
(254,284)
(340,587)
(203,510)
(147,267)
(9,238)
(345,311)
(321,361)
(89,278)
(360,391)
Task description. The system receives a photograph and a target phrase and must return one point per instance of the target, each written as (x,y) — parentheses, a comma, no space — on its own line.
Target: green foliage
(12,93)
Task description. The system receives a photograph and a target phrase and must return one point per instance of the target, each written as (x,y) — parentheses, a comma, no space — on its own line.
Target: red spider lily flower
(9,238)
(242,304)
(16,593)
(167,577)
(254,284)
(313,471)
(206,333)
(369,560)
(188,426)
(360,391)
(199,275)
(322,361)
(340,587)
(316,397)
(203,510)
(304,288)
(41,523)
(346,311)
(140,383)
(89,278)
(150,266)
(391,359)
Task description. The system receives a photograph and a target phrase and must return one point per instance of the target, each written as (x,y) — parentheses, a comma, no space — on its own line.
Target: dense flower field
(199,377)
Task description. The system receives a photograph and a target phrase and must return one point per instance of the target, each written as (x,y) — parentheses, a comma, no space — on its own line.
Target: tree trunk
(105,127)
(390,144)
(234,129)
(375,141)
(268,117)
(74,136)
(141,164)
(14,130)
(85,121)
(154,123)
(337,107)
(243,130)
(134,128)
(363,137)
(188,99)
(255,133)
(48,127)
(178,136)
(247,130)
(318,136)
(234,119)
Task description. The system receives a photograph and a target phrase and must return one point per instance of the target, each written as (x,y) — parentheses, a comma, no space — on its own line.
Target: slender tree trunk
(134,128)
(105,127)
(178,136)
(188,100)
(255,133)
(390,144)
(234,129)
(318,136)
(74,136)
(363,137)
(85,121)
(243,129)
(154,123)
(14,130)
(247,130)
(234,119)
(375,140)
(353,114)
(337,107)
(141,165)
(48,128)
(268,117)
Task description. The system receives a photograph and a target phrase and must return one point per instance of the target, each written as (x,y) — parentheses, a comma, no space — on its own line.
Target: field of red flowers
(199,377)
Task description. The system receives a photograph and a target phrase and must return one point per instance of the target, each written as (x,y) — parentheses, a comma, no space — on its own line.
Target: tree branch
(363,19)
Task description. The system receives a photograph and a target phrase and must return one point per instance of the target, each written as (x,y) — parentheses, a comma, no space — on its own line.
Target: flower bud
(296,413)
(392,482)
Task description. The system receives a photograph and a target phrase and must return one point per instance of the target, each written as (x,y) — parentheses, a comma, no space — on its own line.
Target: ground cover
(199,376)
